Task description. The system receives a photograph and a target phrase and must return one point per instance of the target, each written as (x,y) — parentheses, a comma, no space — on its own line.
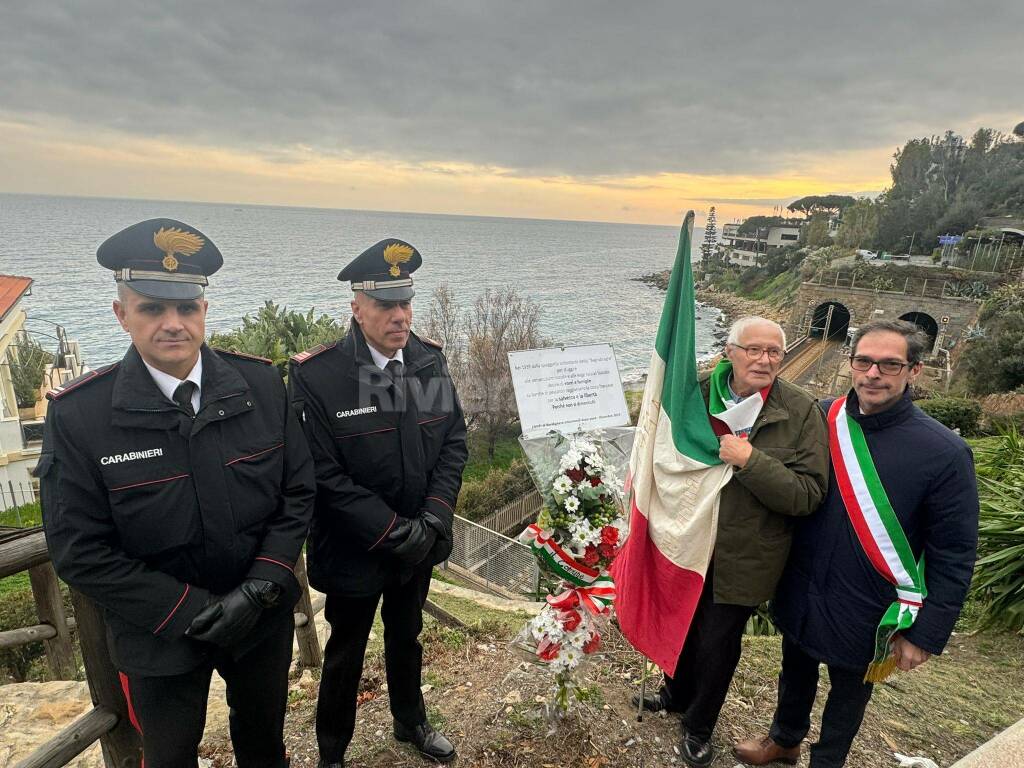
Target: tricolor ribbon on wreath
(558,561)
(596,598)
(879,532)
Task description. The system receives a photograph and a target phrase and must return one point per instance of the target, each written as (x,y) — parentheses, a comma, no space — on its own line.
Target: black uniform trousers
(351,619)
(707,662)
(848,697)
(170,712)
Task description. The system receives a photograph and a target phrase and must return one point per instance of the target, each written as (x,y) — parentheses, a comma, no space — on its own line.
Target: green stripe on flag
(681,397)
(881,500)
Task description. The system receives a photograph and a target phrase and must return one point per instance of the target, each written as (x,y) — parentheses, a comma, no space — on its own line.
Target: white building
(21,429)
(749,248)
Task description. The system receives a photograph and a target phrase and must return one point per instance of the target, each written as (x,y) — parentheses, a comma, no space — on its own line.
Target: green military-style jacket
(786,477)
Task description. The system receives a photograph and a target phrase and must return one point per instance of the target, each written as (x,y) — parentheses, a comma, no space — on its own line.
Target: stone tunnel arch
(837,326)
(926,323)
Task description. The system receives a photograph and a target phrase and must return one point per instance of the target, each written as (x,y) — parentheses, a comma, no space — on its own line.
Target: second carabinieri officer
(177,490)
(389,442)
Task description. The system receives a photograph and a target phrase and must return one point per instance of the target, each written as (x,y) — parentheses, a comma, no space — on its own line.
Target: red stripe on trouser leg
(131,709)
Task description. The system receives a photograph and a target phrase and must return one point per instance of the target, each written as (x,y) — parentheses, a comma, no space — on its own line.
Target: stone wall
(864,303)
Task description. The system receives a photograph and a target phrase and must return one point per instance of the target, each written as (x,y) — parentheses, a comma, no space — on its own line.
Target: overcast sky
(504,95)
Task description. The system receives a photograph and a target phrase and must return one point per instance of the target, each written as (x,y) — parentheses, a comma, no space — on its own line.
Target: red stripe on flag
(656,599)
(853,510)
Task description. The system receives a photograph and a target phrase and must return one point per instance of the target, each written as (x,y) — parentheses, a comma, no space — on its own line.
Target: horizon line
(328,208)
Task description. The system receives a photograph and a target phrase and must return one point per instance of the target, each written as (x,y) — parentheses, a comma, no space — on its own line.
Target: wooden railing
(107,721)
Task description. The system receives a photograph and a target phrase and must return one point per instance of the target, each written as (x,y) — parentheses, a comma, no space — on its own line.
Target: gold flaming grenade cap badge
(396,254)
(177,242)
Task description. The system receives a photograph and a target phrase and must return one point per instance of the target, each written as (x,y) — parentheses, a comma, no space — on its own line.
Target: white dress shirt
(381,361)
(167,383)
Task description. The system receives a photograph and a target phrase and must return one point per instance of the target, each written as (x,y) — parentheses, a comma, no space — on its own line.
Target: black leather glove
(227,621)
(411,540)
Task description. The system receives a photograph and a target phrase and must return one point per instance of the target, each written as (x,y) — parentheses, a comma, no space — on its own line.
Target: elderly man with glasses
(854,594)
(781,470)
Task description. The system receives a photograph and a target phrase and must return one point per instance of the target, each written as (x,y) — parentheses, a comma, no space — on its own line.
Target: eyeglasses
(754,353)
(888,367)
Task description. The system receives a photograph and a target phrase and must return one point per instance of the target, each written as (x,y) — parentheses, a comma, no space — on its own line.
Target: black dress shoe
(696,753)
(429,742)
(655,702)
(325,764)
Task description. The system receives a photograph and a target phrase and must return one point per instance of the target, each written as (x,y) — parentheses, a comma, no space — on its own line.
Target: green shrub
(958,413)
(277,333)
(500,486)
(28,366)
(998,584)
(17,610)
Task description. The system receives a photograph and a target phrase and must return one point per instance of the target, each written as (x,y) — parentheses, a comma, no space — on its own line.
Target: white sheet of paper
(568,388)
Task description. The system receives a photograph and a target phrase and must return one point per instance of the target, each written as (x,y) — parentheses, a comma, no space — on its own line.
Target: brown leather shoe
(764,751)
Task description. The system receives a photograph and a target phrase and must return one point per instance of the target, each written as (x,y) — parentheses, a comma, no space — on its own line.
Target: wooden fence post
(122,747)
(60,653)
(310,654)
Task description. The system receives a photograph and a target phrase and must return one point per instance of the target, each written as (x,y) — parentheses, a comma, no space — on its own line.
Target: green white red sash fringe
(560,562)
(879,532)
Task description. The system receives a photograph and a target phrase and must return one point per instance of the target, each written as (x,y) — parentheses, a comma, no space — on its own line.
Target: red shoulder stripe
(309,354)
(85,378)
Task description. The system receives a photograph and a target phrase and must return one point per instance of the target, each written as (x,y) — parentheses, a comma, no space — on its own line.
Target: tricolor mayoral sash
(879,532)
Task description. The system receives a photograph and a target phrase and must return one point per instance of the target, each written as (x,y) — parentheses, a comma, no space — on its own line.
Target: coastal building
(21,423)
(747,246)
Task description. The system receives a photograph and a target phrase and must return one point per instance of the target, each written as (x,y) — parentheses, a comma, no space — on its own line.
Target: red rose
(595,481)
(548,651)
(570,620)
(576,475)
(590,556)
(592,644)
(610,535)
(607,551)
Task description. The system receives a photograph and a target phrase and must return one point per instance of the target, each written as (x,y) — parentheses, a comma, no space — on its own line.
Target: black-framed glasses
(888,367)
(754,352)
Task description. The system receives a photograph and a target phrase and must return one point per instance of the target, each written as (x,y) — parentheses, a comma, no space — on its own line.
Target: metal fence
(496,561)
(14,495)
(512,518)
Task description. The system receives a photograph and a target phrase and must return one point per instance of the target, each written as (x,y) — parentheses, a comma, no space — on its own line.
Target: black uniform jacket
(378,454)
(149,512)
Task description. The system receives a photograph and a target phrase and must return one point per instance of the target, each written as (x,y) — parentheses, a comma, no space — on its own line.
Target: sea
(580,274)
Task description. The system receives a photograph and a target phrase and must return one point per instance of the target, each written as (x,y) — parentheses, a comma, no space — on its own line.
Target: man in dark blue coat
(389,443)
(177,490)
(831,598)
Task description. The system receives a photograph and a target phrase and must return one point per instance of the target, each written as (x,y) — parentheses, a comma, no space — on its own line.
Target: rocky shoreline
(729,304)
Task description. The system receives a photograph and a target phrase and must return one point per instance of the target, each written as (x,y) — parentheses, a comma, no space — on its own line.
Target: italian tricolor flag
(675,480)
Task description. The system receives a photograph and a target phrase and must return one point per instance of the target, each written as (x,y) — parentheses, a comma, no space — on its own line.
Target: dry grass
(488,700)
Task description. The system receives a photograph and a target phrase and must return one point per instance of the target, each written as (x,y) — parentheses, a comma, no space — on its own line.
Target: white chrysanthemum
(570,657)
(571,459)
(562,485)
(572,504)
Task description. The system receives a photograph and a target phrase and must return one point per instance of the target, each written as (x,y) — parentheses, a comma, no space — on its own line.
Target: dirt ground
(489,700)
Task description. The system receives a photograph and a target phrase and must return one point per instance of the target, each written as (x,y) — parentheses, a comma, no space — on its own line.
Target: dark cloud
(588,87)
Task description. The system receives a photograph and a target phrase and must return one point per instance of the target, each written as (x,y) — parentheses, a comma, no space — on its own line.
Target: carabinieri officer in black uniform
(389,442)
(177,489)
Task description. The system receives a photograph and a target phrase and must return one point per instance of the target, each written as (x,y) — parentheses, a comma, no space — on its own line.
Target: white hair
(737,328)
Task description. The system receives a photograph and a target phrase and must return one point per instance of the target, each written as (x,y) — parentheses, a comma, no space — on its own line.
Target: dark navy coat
(376,459)
(150,512)
(830,598)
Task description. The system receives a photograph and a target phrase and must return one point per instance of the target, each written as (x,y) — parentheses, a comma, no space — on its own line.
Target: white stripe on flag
(867,504)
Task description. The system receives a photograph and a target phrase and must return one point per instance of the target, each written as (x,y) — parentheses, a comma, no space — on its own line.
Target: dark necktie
(394,367)
(183,396)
